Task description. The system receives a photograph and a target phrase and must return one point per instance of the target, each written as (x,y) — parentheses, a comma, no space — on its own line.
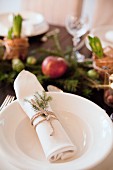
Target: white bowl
(87,125)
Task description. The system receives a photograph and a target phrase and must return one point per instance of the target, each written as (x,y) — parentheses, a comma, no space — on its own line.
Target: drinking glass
(77,27)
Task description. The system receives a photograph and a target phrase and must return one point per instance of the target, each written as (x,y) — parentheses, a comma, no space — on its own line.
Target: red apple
(54,67)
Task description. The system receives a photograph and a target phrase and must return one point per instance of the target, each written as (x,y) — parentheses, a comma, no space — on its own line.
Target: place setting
(59,127)
(19,141)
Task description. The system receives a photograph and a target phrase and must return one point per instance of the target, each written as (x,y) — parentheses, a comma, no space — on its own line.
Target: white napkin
(55,147)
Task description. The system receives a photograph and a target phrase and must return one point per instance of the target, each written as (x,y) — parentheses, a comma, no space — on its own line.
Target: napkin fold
(56,147)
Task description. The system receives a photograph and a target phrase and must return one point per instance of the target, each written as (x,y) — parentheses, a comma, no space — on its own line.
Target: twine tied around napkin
(58,146)
(47,116)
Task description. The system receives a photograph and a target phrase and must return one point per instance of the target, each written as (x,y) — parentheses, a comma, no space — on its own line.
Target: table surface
(65,40)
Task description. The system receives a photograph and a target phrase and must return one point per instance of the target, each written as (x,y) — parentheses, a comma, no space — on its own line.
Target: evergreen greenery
(40,100)
(75,80)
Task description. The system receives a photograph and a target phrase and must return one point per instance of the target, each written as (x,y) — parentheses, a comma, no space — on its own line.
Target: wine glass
(77,27)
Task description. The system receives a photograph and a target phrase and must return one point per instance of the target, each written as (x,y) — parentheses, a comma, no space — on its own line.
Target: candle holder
(108,92)
(16,48)
(103,65)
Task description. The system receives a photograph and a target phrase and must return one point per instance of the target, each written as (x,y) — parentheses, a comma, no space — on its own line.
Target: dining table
(97,96)
(65,40)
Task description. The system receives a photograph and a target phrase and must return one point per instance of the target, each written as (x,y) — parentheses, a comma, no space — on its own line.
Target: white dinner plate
(87,125)
(32,25)
(103,32)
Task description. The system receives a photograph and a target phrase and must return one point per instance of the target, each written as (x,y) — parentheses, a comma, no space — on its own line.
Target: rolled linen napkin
(56,147)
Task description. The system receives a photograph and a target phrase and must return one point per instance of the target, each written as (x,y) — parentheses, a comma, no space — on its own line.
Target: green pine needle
(42,101)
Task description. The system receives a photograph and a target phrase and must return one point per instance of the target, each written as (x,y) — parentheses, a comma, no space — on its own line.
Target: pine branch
(57,44)
(50,52)
(40,102)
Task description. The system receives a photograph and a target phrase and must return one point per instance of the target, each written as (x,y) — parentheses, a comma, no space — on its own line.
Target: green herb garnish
(96,46)
(40,101)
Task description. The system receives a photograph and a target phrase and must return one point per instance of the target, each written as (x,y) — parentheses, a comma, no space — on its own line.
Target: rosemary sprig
(39,101)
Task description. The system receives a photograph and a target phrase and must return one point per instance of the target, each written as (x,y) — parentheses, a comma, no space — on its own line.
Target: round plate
(33,23)
(103,32)
(87,125)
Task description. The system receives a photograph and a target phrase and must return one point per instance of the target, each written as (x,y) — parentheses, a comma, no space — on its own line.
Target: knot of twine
(45,114)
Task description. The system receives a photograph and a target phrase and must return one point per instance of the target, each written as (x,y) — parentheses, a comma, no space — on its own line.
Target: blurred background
(54,11)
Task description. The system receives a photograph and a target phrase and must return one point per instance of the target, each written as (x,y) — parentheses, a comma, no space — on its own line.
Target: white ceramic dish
(103,32)
(32,25)
(88,126)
